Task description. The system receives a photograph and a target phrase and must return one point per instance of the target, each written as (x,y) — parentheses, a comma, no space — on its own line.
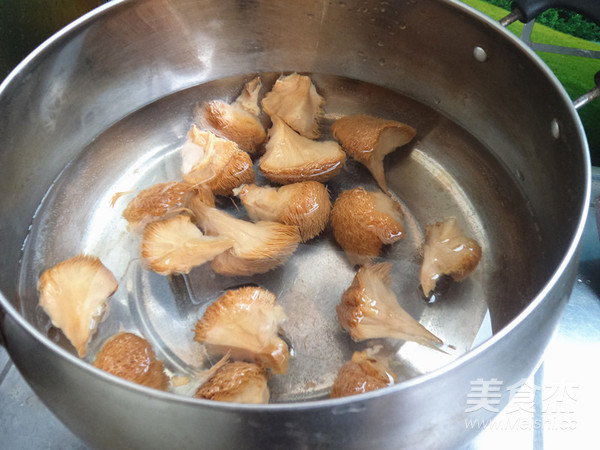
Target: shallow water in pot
(443,173)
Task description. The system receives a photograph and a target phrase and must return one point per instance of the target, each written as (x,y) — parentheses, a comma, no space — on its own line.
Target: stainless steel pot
(499,144)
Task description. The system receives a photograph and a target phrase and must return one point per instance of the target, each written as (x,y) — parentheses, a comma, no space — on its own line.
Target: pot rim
(485,346)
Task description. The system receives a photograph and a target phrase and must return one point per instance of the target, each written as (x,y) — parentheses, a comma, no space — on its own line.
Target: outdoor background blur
(576,73)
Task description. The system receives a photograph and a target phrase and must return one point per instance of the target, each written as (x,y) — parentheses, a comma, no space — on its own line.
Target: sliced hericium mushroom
(292,158)
(305,205)
(176,245)
(132,357)
(369,139)
(245,322)
(238,121)
(216,162)
(369,309)
(258,247)
(363,373)
(73,293)
(204,194)
(239,382)
(447,251)
(295,100)
(363,221)
(157,202)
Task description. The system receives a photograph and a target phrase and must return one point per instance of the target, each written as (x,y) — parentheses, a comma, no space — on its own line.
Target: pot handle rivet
(555,129)
(480,54)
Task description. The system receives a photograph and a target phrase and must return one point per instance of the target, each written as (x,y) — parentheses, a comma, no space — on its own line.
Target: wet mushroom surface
(308,278)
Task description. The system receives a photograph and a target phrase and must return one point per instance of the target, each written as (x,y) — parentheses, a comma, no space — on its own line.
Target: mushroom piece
(292,158)
(363,221)
(157,202)
(305,205)
(363,373)
(245,322)
(369,309)
(74,293)
(447,251)
(215,162)
(295,100)
(258,247)
(203,194)
(176,245)
(369,139)
(239,382)
(131,357)
(238,121)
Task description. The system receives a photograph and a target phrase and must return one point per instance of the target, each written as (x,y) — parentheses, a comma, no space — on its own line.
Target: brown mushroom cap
(363,221)
(295,100)
(258,248)
(239,381)
(73,293)
(447,251)
(369,139)
(131,357)
(156,202)
(215,162)
(305,205)
(369,309)
(239,121)
(245,322)
(176,245)
(292,158)
(363,373)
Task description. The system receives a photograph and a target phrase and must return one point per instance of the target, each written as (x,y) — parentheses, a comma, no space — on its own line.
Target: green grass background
(574,72)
